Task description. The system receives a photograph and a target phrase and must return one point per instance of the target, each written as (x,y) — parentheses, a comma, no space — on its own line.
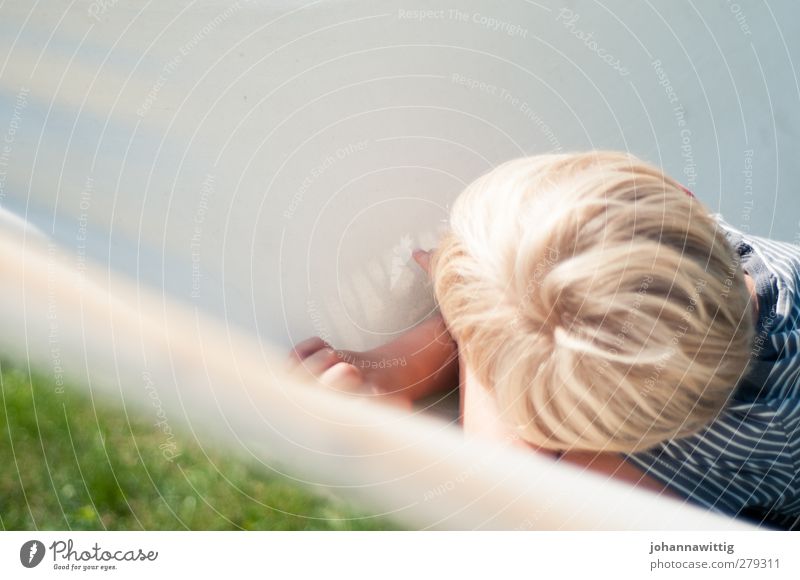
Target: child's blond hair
(599,301)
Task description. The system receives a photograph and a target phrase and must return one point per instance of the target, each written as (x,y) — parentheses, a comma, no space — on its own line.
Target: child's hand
(347,371)
(418,363)
(320,360)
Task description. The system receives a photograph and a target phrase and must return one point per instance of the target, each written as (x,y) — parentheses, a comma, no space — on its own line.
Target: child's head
(601,303)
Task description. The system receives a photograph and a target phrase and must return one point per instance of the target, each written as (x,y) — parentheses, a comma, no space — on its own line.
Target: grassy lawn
(68,463)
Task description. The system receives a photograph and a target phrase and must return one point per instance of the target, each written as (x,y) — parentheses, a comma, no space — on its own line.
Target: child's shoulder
(746,457)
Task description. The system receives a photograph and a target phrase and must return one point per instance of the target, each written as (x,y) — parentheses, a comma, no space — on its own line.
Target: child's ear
(423,258)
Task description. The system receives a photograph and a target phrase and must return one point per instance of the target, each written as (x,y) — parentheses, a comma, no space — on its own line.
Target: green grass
(67,462)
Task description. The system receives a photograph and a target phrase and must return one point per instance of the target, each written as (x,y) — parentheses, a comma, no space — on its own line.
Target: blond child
(592,309)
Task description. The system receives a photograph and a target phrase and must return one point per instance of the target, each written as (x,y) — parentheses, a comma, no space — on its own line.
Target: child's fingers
(306,348)
(342,376)
(423,258)
(320,361)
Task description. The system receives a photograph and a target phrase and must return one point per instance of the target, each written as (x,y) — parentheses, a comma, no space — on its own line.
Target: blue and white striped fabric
(748,461)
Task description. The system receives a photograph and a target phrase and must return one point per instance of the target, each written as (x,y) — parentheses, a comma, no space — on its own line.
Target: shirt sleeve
(743,460)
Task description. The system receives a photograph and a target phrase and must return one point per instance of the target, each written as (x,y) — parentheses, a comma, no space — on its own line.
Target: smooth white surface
(275,162)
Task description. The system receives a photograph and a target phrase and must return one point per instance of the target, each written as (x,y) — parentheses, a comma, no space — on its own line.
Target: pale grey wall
(291,154)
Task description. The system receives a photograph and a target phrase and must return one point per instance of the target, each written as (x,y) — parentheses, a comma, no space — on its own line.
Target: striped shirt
(747,462)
